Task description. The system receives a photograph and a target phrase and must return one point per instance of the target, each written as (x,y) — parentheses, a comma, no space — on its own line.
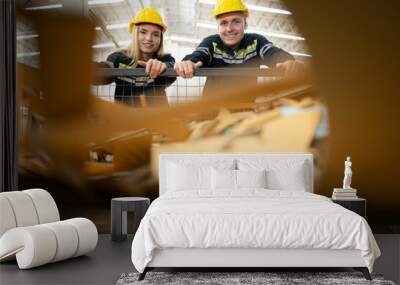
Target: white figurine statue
(347,174)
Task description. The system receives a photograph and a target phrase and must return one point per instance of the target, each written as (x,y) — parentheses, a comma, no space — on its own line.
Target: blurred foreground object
(80,137)
(355,47)
(359,80)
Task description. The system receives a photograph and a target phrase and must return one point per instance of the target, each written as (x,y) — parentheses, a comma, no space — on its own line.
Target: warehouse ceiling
(188,22)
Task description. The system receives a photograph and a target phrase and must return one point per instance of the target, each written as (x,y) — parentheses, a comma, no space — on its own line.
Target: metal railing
(203,72)
(181,90)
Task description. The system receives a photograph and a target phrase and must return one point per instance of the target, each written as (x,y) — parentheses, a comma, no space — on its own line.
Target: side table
(357,205)
(119,209)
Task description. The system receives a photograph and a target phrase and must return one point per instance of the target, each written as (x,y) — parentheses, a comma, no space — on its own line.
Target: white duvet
(250,219)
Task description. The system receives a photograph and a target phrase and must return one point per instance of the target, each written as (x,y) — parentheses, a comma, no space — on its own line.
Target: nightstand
(357,205)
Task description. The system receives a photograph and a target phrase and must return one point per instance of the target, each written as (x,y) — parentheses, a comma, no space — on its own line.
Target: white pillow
(282,174)
(223,179)
(251,178)
(289,179)
(181,177)
(186,174)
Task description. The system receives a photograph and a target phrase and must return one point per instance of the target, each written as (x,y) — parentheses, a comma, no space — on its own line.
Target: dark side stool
(119,209)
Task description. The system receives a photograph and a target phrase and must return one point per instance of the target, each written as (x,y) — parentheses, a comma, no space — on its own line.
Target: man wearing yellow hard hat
(232,46)
(145,51)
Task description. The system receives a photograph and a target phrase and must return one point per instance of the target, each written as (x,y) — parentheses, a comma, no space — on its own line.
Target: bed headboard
(307,158)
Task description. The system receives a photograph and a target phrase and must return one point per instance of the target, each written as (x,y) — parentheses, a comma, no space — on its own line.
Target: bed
(247,210)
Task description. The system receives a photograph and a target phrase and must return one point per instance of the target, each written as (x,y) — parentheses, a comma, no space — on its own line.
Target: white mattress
(250,219)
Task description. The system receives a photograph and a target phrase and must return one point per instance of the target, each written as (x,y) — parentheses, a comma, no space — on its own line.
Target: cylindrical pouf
(34,246)
(7,218)
(23,208)
(87,235)
(45,205)
(67,239)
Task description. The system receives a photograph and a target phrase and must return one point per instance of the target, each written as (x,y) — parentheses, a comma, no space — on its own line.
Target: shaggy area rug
(244,278)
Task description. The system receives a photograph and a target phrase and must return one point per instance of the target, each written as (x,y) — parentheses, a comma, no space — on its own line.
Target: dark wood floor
(111,259)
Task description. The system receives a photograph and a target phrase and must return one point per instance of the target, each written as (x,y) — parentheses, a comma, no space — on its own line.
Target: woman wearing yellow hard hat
(233,47)
(145,51)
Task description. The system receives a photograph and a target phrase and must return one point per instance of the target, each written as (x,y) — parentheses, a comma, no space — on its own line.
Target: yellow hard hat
(227,6)
(147,15)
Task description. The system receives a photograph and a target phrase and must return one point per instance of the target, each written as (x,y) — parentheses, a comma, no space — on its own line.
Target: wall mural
(87,150)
